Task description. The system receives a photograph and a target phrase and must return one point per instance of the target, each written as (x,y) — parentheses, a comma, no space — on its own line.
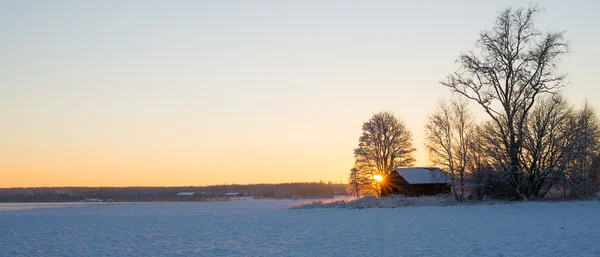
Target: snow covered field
(268,227)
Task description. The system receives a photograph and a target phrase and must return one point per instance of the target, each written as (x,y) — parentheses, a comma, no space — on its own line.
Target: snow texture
(423,176)
(269,228)
(370,201)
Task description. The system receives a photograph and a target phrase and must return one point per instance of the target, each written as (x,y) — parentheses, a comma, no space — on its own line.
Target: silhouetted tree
(358,183)
(447,133)
(512,66)
(547,145)
(385,144)
(582,173)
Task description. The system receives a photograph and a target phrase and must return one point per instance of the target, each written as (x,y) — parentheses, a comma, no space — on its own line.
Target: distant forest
(149,194)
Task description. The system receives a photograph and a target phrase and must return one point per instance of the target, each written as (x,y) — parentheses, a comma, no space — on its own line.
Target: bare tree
(546,145)
(385,144)
(447,134)
(513,64)
(359,183)
(353,186)
(582,173)
(479,162)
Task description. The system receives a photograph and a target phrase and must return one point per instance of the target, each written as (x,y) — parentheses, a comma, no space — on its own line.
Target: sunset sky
(158,93)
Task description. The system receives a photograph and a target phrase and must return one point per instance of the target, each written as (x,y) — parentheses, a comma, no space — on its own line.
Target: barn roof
(424,175)
(186,193)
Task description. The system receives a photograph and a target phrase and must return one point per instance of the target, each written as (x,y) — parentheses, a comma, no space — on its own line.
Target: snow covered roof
(232,194)
(424,175)
(186,193)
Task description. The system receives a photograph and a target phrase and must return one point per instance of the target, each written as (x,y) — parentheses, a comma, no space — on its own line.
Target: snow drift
(370,201)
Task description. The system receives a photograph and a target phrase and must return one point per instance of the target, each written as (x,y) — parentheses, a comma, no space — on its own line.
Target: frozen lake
(269,228)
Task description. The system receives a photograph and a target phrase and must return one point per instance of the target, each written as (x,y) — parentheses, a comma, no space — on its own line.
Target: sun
(379,178)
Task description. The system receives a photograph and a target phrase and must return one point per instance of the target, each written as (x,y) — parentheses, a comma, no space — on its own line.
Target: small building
(186,194)
(416,182)
(234,194)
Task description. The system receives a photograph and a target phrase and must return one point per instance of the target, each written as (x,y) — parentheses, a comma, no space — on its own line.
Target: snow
(371,201)
(423,176)
(270,228)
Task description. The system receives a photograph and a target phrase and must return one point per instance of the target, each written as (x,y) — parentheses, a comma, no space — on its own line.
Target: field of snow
(269,228)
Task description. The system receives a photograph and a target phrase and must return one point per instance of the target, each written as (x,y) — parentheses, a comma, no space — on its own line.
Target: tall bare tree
(447,135)
(513,64)
(385,144)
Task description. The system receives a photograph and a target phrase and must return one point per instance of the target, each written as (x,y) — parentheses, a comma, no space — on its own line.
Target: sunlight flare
(378,178)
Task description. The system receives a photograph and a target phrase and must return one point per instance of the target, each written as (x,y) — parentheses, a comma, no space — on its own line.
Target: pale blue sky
(206,92)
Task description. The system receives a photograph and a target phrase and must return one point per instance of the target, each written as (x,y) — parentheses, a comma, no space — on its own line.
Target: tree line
(150,194)
(532,142)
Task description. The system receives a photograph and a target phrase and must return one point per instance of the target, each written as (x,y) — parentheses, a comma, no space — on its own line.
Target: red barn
(416,182)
